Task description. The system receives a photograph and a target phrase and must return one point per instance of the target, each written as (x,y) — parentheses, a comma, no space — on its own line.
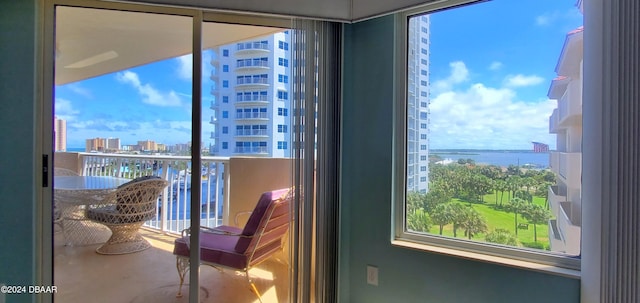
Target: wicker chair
(124,212)
(59,171)
(57,212)
(241,249)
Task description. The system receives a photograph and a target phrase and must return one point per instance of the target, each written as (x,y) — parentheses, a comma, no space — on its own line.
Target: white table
(72,195)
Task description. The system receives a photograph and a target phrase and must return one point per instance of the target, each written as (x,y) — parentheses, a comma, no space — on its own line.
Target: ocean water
(497,157)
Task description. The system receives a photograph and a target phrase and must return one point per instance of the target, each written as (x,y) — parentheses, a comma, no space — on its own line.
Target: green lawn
(497,218)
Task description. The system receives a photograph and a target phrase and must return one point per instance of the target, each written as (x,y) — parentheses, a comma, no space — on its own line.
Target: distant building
(112,145)
(60,134)
(565,197)
(95,144)
(418,104)
(147,145)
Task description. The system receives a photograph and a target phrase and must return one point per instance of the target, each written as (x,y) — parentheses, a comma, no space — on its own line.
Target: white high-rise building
(251,98)
(418,104)
(565,197)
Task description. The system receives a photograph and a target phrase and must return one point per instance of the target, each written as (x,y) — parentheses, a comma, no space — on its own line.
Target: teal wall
(404,275)
(17,108)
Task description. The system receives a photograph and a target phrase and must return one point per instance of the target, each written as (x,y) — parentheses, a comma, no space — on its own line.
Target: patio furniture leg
(182,264)
(254,289)
(124,239)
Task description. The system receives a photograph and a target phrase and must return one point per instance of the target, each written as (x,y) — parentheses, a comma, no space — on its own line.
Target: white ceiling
(94,42)
(337,10)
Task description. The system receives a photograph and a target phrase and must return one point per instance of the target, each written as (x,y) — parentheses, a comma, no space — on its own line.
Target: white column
(611,152)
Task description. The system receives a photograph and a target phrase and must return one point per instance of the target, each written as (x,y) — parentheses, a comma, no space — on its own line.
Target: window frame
(536,260)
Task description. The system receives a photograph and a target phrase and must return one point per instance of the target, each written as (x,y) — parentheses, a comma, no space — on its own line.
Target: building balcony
(150,276)
(252,116)
(247,48)
(554,122)
(247,133)
(244,82)
(251,65)
(569,226)
(214,75)
(251,150)
(554,162)
(213,135)
(570,106)
(214,105)
(252,100)
(570,169)
(555,197)
(555,238)
(213,120)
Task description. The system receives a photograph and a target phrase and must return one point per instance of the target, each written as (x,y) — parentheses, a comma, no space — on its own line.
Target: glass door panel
(247,151)
(122,111)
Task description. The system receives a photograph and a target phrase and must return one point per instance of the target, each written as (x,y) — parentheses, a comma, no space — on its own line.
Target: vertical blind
(611,172)
(316,106)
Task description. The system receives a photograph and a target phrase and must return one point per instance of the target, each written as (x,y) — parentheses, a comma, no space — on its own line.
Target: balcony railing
(260,115)
(251,150)
(570,169)
(570,105)
(555,238)
(554,162)
(252,46)
(555,198)
(251,132)
(554,122)
(252,98)
(569,226)
(251,63)
(245,81)
(173,212)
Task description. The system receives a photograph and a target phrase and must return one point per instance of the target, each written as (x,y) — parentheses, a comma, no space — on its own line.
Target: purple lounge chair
(241,249)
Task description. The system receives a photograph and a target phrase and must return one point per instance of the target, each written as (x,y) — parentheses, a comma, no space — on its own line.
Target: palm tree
(536,214)
(442,215)
(516,206)
(473,223)
(458,216)
(419,221)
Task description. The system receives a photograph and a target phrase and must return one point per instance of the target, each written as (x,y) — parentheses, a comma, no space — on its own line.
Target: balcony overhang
(335,10)
(95,42)
(571,55)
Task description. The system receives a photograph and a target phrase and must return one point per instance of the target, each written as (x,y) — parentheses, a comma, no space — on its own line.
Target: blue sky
(491,66)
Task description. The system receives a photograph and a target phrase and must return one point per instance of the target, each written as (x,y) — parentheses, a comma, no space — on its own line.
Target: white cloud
(520,80)
(76,88)
(550,18)
(64,109)
(495,65)
(459,74)
(483,117)
(544,19)
(150,95)
(185,67)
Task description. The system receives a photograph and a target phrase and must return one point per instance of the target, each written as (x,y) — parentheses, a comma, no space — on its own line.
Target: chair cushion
(215,248)
(256,217)
(219,249)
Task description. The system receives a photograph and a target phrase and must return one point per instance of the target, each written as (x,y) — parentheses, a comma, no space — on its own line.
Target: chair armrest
(187,232)
(238,214)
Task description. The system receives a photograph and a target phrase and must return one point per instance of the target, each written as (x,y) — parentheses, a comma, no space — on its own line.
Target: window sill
(487,258)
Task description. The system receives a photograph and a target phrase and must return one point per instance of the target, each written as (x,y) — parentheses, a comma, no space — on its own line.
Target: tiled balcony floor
(82,275)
